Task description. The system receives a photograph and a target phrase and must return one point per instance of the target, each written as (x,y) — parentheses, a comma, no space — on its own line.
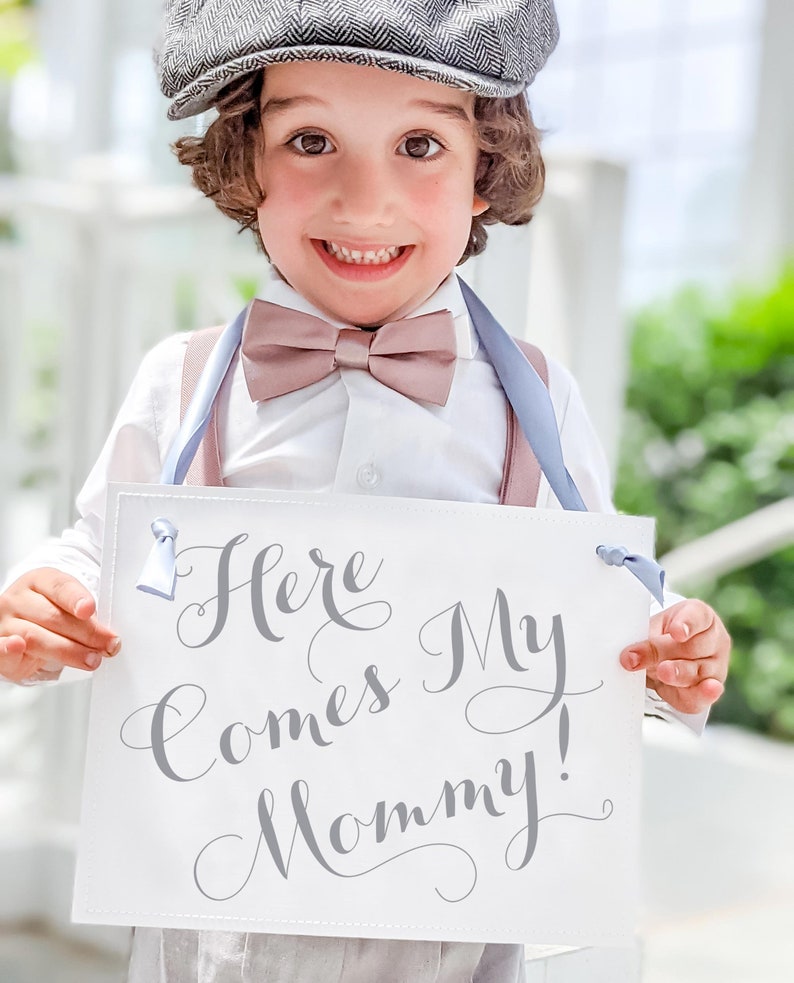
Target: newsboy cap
(490,47)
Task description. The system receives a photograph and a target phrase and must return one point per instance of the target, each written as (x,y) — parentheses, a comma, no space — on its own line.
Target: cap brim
(200,95)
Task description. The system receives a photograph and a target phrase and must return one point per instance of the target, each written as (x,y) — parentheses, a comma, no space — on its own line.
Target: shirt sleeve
(587,464)
(134,450)
(581,447)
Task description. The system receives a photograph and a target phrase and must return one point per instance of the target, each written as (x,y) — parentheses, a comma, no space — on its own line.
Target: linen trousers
(185,956)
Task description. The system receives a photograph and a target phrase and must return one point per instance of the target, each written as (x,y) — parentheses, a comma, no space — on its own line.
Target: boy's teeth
(369,257)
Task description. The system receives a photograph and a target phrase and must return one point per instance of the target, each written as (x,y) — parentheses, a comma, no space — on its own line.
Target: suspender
(520,477)
(205,468)
(527,394)
(521,474)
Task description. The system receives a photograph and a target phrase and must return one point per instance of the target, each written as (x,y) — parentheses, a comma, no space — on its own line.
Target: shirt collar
(447,297)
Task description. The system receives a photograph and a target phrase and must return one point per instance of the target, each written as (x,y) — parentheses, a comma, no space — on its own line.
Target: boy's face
(369,185)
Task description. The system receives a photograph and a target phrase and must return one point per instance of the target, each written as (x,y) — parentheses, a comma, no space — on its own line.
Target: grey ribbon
(648,572)
(159,573)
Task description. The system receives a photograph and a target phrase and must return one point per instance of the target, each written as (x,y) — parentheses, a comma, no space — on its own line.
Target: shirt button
(368,476)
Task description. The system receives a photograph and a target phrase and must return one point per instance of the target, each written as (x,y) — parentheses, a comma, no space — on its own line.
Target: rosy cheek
(446,187)
(431,195)
(295,191)
(277,177)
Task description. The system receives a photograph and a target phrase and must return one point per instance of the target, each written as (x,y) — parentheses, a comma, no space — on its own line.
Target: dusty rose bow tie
(284,350)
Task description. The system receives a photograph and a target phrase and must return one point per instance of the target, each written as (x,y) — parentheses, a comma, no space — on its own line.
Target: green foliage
(246,288)
(710,439)
(16,45)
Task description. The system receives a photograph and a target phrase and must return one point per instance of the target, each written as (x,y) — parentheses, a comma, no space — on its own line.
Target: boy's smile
(369,185)
(362,262)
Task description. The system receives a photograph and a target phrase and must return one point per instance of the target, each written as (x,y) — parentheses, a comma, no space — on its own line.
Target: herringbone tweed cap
(491,47)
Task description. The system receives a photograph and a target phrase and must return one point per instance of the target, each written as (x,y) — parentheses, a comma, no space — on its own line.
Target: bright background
(656,268)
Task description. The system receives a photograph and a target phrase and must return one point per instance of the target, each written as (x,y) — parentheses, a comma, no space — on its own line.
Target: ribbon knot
(159,573)
(647,571)
(613,556)
(284,350)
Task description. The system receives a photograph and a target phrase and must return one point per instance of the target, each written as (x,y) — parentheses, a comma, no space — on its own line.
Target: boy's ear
(479,206)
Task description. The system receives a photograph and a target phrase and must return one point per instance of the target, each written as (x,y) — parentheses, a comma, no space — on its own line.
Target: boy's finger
(662,648)
(687,619)
(691,699)
(42,631)
(12,655)
(88,634)
(687,672)
(37,609)
(648,654)
(16,662)
(711,690)
(700,646)
(12,646)
(51,649)
(64,592)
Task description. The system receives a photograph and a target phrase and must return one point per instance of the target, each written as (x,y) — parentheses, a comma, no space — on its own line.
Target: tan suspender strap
(205,468)
(521,474)
(520,478)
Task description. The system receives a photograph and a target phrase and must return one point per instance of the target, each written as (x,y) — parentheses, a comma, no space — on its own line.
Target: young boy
(368,170)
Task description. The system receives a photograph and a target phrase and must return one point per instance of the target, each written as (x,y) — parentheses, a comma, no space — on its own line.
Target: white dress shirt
(346,433)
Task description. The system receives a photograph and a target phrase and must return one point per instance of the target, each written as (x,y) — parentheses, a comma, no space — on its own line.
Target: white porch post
(556,282)
(768,200)
(74,38)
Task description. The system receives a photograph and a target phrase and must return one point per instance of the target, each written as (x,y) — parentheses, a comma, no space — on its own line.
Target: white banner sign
(366,717)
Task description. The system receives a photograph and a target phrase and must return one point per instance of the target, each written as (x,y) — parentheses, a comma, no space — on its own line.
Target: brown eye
(313,144)
(420,147)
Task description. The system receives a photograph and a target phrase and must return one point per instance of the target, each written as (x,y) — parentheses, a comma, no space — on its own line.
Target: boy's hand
(47,621)
(686,656)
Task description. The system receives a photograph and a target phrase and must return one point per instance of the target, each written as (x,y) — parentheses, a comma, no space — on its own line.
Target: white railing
(108,270)
(736,545)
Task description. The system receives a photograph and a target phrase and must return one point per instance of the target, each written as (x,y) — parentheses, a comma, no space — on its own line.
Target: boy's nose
(364,195)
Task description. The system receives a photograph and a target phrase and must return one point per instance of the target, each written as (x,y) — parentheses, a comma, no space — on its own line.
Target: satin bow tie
(284,350)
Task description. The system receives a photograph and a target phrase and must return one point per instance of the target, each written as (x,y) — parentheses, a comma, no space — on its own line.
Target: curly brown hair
(510,171)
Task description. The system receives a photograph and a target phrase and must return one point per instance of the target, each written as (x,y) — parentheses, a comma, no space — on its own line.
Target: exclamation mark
(564,733)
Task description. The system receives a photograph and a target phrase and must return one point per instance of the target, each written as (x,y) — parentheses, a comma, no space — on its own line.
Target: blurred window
(668,87)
